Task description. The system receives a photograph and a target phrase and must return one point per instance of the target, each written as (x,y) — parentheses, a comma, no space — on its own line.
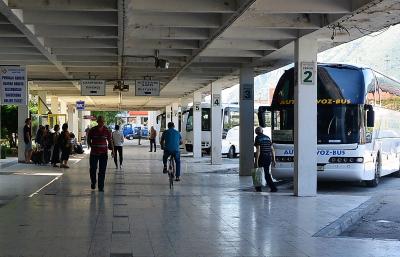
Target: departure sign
(13,83)
(147,88)
(93,87)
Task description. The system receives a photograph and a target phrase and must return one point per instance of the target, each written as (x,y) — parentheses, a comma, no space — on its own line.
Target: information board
(93,87)
(308,73)
(13,83)
(147,88)
(80,105)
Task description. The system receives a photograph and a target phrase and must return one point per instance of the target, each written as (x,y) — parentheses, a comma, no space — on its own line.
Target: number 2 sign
(308,73)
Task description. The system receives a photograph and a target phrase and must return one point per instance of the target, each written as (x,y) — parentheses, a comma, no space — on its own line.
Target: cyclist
(170,141)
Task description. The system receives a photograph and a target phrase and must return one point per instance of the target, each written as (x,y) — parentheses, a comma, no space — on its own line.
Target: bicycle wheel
(171,174)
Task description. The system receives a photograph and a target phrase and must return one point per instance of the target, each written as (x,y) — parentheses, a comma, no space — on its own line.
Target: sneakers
(164,170)
(177,179)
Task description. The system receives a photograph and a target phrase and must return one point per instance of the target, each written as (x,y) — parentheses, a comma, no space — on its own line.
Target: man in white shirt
(118,139)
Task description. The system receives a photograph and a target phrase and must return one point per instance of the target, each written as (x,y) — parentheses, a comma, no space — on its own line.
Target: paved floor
(209,213)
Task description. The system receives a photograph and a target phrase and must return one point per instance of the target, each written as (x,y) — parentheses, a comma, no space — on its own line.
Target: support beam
(65,5)
(16,18)
(23,113)
(168,115)
(246,133)
(192,6)
(305,119)
(196,143)
(216,124)
(175,114)
(54,105)
(305,6)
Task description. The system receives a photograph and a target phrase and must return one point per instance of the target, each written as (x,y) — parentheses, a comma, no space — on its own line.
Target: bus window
(189,122)
(389,92)
(231,118)
(370,83)
(205,119)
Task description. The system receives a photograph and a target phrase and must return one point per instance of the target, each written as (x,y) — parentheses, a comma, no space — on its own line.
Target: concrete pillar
(216,124)
(246,127)
(54,105)
(72,119)
(196,125)
(175,114)
(305,118)
(42,108)
(63,107)
(23,113)
(168,115)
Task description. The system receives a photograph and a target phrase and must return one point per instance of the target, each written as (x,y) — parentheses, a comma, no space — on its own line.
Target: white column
(23,113)
(63,107)
(42,109)
(305,118)
(168,115)
(216,124)
(175,114)
(54,105)
(246,126)
(73,119)
(196,125)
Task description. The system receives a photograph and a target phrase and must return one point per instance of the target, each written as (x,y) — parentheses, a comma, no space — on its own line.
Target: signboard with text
(247,92)
(13,84)
(216,100)
(93,87)
(147,88)
(196,107)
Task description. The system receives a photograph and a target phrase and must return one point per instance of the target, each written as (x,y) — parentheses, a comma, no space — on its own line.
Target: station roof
(63,41)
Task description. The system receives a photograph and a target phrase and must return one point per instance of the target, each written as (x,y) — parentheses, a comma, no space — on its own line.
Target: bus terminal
(205,75)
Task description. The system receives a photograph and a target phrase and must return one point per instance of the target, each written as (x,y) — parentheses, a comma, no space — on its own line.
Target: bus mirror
(370,116)
(262,110)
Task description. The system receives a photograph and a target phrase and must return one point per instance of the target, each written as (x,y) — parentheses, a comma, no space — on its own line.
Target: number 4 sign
(308,73)
(216,99)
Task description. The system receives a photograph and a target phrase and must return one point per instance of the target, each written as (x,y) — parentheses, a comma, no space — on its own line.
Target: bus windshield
(337,124)
(205,120)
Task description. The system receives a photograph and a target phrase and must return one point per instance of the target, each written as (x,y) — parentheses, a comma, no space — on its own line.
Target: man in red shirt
(98,137)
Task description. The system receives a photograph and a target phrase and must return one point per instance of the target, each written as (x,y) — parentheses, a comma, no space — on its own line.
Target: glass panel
(389,91)
(205,119)
(189,122)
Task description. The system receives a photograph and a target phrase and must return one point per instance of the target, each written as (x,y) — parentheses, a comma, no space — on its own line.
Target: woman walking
(118,140)
(65,146)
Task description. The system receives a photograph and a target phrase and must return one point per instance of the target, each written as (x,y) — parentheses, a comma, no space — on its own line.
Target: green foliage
(109,117)
(9,120)
(33,105)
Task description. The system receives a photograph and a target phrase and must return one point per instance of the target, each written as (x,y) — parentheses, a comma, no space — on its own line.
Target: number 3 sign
(308,73)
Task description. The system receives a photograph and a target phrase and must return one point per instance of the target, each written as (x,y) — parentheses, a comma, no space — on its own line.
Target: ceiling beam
(226,52)
(81,43)
(243,44)
(49,31)
(281,21)
(304,6)
(65,5)
(167,33)
(191,6)
(14,42)
(177,20)
(162,44)
(71,18)
(88,51)
(259,33)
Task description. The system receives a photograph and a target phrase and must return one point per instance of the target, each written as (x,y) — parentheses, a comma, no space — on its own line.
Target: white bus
(230,129)
(358,124)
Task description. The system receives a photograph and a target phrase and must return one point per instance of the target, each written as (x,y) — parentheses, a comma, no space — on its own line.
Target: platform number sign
(216,99)
(80,105)
(196,107)
(308,72)
(247,92)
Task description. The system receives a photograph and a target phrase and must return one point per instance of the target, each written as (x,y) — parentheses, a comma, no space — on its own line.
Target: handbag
(256,174)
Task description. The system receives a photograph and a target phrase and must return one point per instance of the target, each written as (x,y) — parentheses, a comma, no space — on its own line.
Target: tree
(109,116)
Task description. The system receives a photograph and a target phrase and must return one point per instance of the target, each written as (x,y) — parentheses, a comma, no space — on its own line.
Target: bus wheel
(375,181)
(232,152)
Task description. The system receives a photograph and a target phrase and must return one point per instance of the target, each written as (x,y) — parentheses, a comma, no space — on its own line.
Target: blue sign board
(80,105)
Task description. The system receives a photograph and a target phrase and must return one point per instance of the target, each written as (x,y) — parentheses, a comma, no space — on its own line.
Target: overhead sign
(216,100)
(89,117)
(80,105)
(93,87)
(13,83)
(147,88)
(308,73)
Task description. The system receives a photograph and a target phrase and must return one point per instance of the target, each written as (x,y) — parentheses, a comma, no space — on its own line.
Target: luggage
(78,149)
(37,157)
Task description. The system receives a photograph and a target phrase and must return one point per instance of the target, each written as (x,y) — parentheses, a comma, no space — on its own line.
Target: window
(231,118)
(205,120)
(389,92)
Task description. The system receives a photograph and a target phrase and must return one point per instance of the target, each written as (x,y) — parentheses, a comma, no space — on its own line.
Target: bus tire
(375,181)
(232,152)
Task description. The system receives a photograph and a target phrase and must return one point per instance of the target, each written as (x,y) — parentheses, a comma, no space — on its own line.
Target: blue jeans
(102,160)
(177,157)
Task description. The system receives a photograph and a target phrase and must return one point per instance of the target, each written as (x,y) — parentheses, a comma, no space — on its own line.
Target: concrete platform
(206,214)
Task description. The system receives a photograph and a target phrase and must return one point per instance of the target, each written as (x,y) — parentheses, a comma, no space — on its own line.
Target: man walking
(28,140)
(170,141)
(118,141)
(98,139)
(264,154)
(153,135)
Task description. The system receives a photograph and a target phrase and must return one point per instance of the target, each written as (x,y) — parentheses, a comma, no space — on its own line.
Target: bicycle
(171,170)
